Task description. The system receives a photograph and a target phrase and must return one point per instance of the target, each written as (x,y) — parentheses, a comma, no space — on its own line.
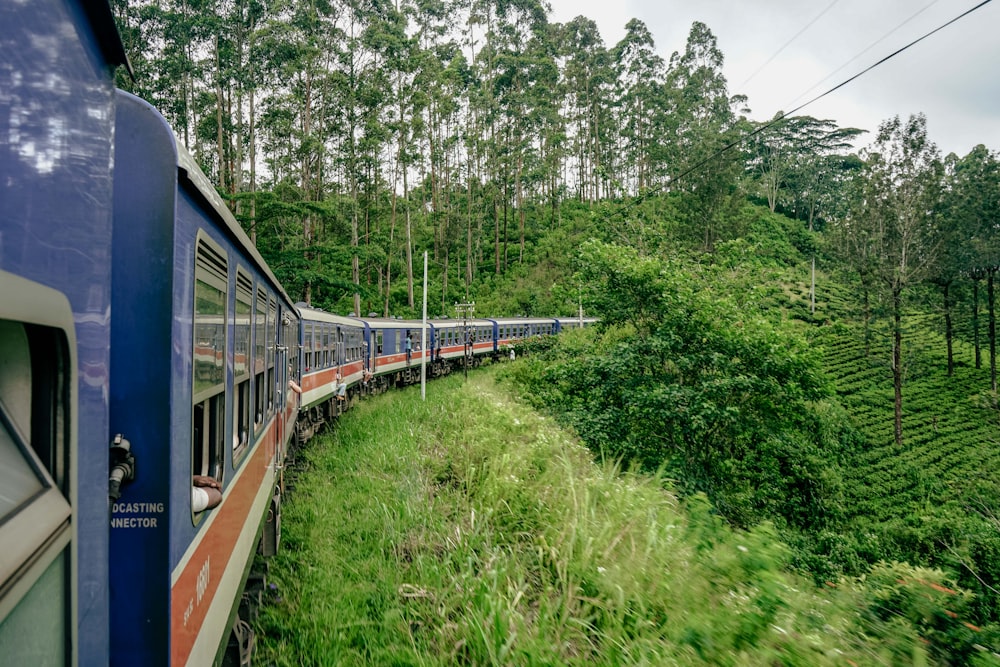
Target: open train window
(242,414)
(259,363)
(307,342)
(211,292)
(272,347)
(328,359)
(37,457)
(291,337)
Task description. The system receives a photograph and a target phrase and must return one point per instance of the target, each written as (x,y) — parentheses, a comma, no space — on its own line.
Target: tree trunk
(992,328)
(975,322)
(897,363)
(948,332)
(219,138)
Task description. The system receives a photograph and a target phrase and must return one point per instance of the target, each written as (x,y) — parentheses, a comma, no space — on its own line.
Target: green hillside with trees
(797,319)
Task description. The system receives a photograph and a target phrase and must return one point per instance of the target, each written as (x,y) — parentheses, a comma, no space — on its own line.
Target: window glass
(209,336)
(241,334)
(260,326)
(272,330)
(208,415)
(35,632)
(36,461)
(18,478)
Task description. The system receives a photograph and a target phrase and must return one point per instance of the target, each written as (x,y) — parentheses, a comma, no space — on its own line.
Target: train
(155,376)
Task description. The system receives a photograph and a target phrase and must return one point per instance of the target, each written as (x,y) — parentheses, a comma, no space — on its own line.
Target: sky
(783,53)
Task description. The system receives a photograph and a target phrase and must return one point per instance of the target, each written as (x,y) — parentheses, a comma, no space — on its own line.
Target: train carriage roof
(189,169)
(523,320)
(310,314)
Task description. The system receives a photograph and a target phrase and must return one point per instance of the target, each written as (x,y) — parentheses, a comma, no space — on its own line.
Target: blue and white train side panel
(56,128)
(203,339)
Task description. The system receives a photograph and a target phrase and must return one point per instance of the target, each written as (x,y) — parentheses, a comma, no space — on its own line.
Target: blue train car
(390,360)
(332,359)
(456,342)
(510,330)
(57,59)
(204,342)
(574,322)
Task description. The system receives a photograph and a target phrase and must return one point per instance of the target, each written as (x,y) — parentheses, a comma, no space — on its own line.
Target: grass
(469,529)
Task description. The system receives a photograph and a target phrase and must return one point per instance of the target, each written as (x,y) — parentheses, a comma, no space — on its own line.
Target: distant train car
(204,342)
(457,342)
(57,102)
(510,330)
(563,323)
(394,353)
(333,363)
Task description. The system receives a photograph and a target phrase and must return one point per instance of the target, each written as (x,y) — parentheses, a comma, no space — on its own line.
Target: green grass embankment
(469,529)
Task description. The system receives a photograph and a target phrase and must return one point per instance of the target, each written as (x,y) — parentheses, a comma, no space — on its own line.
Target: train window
(259,367)
(331,345)
(328,360)
(292,341)
(211,291)
(378,342)
(37,437)
(241,362)
(307,344)
(272,343)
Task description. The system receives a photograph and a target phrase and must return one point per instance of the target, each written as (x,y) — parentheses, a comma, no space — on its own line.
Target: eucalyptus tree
(441,76)
(899,215)
(588,76)
(293,64)
(639,80)
(165,41)
(957,254)
(527,72)
(974,208)
(703,120)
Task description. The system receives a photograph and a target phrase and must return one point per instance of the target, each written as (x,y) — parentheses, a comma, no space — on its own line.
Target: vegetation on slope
(471,530)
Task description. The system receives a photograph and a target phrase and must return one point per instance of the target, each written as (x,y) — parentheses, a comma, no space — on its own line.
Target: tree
(640,75)
(704,121)
(795,157)
(973,240)
(899,215)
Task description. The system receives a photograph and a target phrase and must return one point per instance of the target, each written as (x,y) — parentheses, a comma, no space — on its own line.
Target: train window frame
(307,344)
(243,411)
(208,404)
(38,392)
(259,359)
(270,352)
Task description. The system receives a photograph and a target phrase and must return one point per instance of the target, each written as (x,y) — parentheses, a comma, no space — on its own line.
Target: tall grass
(471,530)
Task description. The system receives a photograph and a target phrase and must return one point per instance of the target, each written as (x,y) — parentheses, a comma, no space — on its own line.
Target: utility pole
(423,340)
(465,310)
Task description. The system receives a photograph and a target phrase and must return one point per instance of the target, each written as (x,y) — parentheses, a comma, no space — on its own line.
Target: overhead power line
(783,115)
(786,44)
(864,51)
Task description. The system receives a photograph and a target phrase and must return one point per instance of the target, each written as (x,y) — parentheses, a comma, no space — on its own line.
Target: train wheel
(239,650)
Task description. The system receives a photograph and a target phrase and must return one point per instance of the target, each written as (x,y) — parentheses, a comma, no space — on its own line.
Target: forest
(797,318)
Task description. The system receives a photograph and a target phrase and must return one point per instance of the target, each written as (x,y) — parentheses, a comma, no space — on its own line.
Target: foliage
(680,379)
(470,530)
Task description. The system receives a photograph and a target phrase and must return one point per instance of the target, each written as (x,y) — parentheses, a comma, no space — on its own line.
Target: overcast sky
(782,53)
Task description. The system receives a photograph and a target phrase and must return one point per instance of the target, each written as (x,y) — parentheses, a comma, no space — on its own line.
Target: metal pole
(423,340)
(466,309)
(812,289)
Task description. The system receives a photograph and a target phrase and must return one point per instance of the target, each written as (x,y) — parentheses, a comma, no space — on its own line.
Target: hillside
(471,530)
